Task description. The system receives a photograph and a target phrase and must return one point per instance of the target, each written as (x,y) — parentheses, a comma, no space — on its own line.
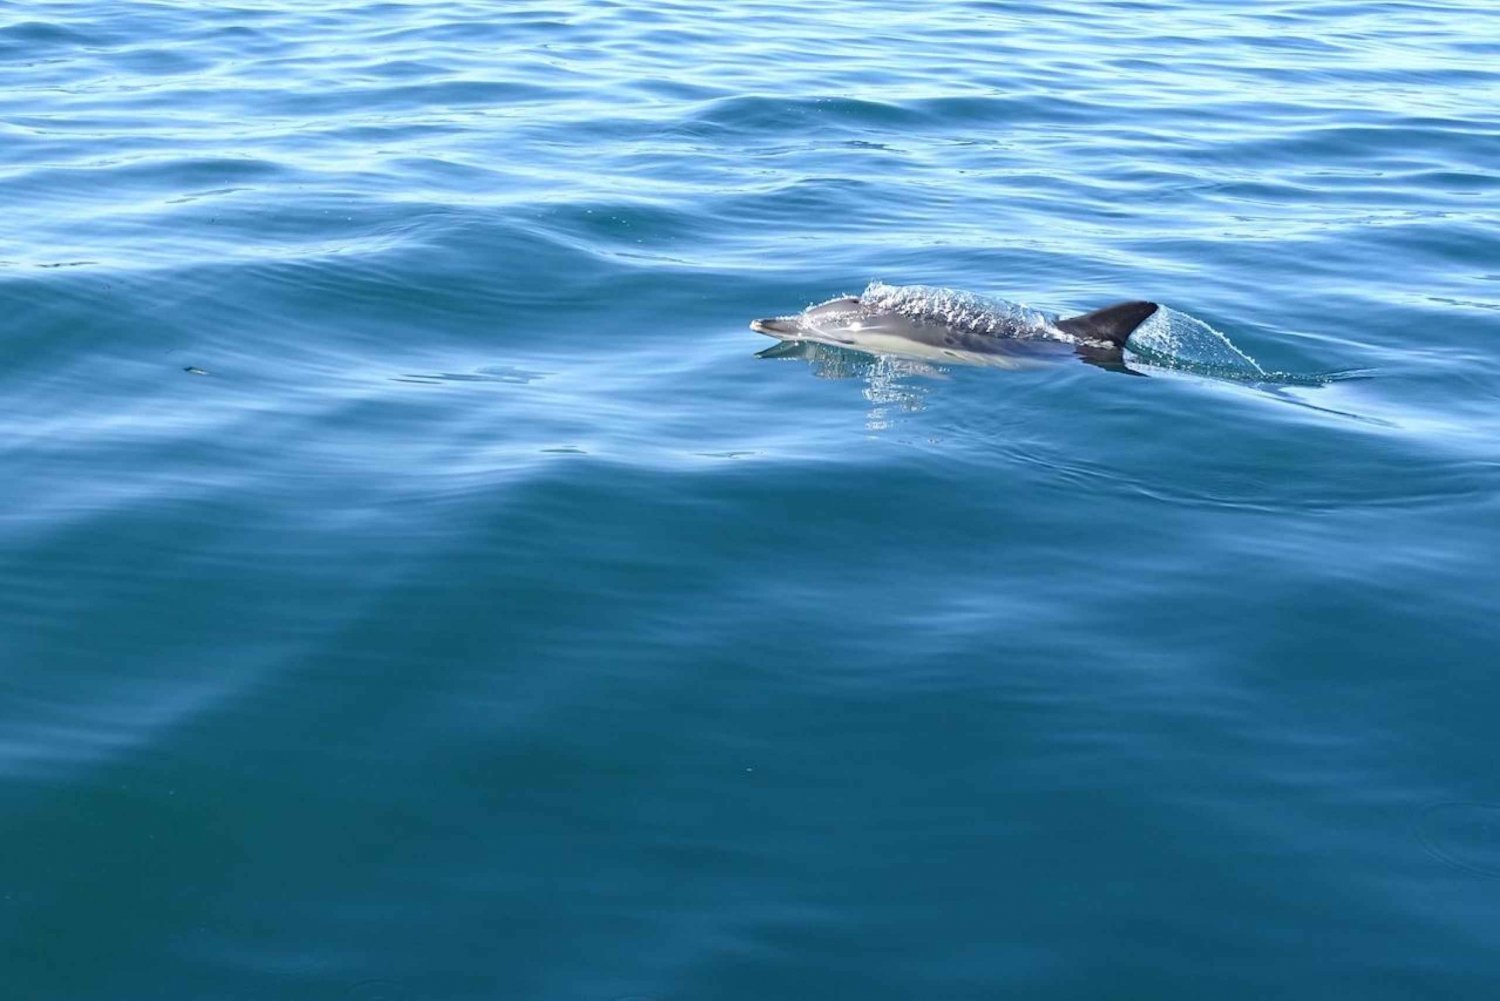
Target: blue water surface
(413,586)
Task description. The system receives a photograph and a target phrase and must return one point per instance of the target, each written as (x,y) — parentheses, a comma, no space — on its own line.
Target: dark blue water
(412,586)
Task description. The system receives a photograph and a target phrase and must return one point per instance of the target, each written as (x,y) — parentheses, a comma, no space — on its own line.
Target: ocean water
(414,587)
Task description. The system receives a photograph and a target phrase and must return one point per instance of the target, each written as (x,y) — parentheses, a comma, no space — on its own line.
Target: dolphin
(938,325)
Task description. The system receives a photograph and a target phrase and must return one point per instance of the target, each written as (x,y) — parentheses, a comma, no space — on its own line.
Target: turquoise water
(414,587)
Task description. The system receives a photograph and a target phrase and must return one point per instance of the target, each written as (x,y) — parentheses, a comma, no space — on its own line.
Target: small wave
(1175,341)
(781,116)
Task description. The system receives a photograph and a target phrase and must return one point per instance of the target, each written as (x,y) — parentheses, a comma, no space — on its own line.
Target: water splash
(1175,340)
(1178,342)
(964,310)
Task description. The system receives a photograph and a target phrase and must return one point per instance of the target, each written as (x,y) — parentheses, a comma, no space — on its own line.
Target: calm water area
(414,586)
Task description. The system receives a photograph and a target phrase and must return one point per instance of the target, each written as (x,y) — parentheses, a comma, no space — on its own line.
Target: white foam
(964,310)
(1175,340)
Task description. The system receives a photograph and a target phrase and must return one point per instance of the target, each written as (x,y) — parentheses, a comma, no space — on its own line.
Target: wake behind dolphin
(943,325)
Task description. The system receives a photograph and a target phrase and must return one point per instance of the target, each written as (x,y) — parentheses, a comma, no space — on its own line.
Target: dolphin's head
(805,323)
(782,327)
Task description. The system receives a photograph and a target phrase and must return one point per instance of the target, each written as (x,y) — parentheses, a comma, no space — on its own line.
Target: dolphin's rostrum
(940,325)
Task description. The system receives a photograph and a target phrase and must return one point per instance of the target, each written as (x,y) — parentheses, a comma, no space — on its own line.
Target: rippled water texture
(412,586)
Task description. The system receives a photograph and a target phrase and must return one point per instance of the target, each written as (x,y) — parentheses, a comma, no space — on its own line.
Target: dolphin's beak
(775,326)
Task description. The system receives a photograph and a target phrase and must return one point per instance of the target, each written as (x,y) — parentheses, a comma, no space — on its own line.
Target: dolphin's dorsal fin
(1112,323)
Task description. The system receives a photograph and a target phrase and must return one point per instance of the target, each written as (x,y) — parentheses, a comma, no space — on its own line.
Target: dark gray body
(875,326)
